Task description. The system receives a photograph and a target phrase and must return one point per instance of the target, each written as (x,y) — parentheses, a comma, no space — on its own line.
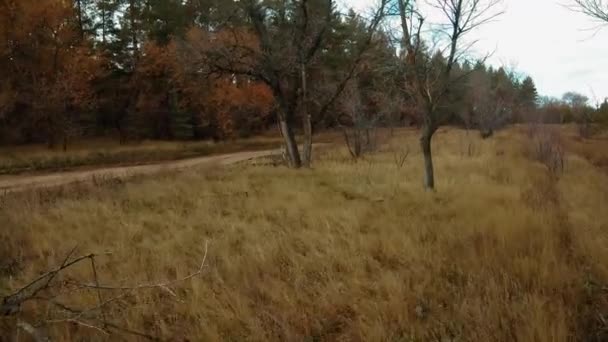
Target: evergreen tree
(164,19)
(602,113)
(104,23)
(528,95)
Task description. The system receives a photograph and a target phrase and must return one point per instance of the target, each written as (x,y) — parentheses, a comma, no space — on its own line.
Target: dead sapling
(400,157)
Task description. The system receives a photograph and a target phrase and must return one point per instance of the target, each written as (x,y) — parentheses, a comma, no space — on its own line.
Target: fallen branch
(86,318)
(11,304)
(162,285)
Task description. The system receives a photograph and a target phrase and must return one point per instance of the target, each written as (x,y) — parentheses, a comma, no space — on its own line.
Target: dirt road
(25,182)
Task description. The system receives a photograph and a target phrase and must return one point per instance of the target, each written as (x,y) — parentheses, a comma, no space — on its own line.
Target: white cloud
(546,40)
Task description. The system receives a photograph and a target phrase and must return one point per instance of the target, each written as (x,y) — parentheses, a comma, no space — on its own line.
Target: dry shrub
(547,148)
(359,122)
(360,141)
(585,130)
(366,140)
(468,146)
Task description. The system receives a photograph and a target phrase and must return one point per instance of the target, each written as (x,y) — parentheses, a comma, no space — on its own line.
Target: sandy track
(25,182)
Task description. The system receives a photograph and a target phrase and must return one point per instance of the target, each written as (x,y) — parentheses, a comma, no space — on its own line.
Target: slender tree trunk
(133,22)
(80,24)
(307,124)
(291,146)
(354,144)
(358,143)
(425,143)
(103,25)
(307,148)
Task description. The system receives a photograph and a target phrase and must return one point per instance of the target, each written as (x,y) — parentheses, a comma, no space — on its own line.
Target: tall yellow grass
(349,251)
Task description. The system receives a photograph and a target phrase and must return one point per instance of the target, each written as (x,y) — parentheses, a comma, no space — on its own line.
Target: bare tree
(579,105)
(429,79)
(276,45)
(287,42)
(546,147)
(596,9)
(490,107)
(357,122)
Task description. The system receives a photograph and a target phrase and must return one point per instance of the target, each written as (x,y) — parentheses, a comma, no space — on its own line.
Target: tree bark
(307,148)
(354,146)
(80,23)
(291,146)
(133,22)
(425,143)
(307,124)
(103,25)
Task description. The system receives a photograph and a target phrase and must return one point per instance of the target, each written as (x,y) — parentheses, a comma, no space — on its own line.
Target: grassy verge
(15,160)
(351,251)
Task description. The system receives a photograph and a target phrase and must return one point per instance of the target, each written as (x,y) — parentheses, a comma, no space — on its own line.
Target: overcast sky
(547,41)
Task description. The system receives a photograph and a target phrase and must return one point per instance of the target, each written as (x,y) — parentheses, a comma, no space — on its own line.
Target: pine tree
(163,19)
(181,120)
(105,25)
(602,113)
(528,95)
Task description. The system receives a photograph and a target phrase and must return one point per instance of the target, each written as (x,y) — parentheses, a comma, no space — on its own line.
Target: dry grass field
(348,251)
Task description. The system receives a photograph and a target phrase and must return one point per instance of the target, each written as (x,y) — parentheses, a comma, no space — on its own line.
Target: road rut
(26,182)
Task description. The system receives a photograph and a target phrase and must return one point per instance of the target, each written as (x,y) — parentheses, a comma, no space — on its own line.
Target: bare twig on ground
(94,318)
(400,157)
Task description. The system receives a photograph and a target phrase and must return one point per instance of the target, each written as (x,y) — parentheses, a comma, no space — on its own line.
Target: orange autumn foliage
(154,76)
(240,109)
(239,105)
(227,107)
(46,68)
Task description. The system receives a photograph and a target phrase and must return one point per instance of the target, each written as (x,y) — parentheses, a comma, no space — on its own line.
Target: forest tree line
(211,69)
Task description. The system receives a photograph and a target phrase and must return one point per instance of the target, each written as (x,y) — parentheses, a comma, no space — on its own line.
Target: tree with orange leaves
(46,68)
(278,44)
(241,109)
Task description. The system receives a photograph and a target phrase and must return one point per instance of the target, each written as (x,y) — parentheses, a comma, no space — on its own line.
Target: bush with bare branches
(546,147)
(400,156)
(358,124)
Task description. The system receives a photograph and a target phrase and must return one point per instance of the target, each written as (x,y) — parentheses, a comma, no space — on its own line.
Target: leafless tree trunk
(80,23)
(427,85)
(103,25)
(425,144)
(291,145)
(306,56)
(307,120)
(283,59)
(309,39)
(357,121)
(133,22)
(354,143)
